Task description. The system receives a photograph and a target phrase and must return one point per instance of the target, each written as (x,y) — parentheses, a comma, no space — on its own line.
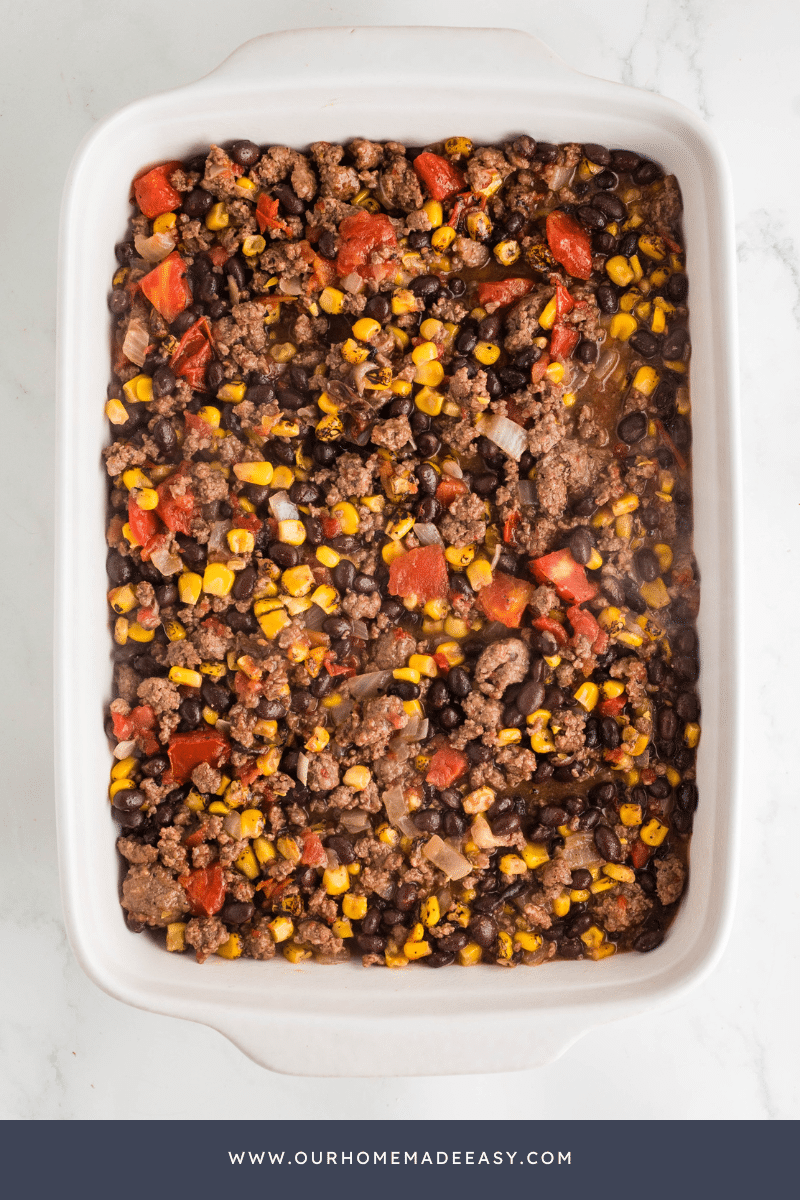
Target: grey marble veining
(730,1049)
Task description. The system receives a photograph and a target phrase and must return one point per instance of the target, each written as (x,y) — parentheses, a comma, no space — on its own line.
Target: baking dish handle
(439,54)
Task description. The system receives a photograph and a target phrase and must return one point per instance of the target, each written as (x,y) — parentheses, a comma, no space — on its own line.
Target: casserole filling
(400,557)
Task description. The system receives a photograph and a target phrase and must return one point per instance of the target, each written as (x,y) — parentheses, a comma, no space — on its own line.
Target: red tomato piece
(584,624)
(218,256)
(639,854)
(123,727)
(193,354)
(247,775)
(505,599)
(508,529)
(176,511)
(612,707)
(503,292)
(247,521)
(188,750)
(335,668)
(446,766)
(267,214)
(324,273)
(539,368)
(166,287)
(314,853)
(563,341)
(205,890)
(359,235)
(421,572)
(449,490)
(569,244)
(154,193)
(438,175)
(549,625)
(567,576)
(143,522)
(143,717)
(331,527)
(564,302)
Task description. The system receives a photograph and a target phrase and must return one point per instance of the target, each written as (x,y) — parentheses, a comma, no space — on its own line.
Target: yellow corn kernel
(404,301)
(331,300)
(619,873)
(330,428)
(318,740)
(547,317)
(430,329)
(326,598)
(253,244)
(414,950)
(272,623)
(124,769)
(122,599)
(183,675)
(400,527)
(603,884)
(218,579)
(436,609)
(658,322)
(116,412)
(555,372)
(459,556)
(121,628)
(691,734)
(327,556)
(587,695)
(561,904)
(327,405)
(479,800)
(613,688)
(479,574)
(425,664)
(146,499)
(507,252)
(424,352)
(645,380)
(413,708)
(429,374)
(246,863)
(241,541)
(512,864)
(281,929)
(232,948)
(298,581)
(452,653)
(434,213)
(259,473)
(454,627)
(620,271)
(406,673)
(176,942)
(626,504)
(528,941)
(441,239)
(470,954)
(542,742)
(486,353)
(120,785)
(635,264)
(135,478)
(366,328)
(335,880)
(430,912)
(164,222)
(623,526)
(655,594)
(429,401)
(630,814)
(357,778)
(354,907)
(218,217)
(295,954)
(534,854)
(348,517)
(264,850)
(233,392)
(264,606)
(139,390)
(289,848)
(508,737)
(291,532)
(622,326)
(479,225)
(653,833)
(252,823)
(342,928)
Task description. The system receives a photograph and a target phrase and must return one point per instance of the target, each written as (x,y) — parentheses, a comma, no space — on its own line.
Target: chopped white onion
(400,750)
(481,834)
(527,491)
(223,727)
(232,824)
(282,508)
(606,364)
(302,767)
(137,339)
(427,533)
(498,550)
(579,850)
(153,249)
(359,628)
(216,538)
(340,712)
(416,730)
(508,435)
(446,858)
(332,958)
(451,467)
(560,177)
(290,285)
(123,749)
(364,687)
(166,561)
(215,169)
(394,802)
(355,820)
(353,282)
(407,827)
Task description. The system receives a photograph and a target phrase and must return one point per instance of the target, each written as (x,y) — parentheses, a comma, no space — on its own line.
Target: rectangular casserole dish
(293,88)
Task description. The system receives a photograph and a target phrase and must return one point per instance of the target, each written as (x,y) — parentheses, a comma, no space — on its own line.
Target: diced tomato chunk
(564,302)
(176,511)
(613,706)
(314,853)
(143,522)
(359,235)
(539,368)
(510,525)
(154,193)
(563,341)
(584,625)
(569,244)
(449,490)
(446,766)
(439,175)
(205,890)
(193,354)
(503,292)
(505,599)
(123,727)
(549,625)
(189,750)
(567,576)
(267,214)
(166,287)
(422,573)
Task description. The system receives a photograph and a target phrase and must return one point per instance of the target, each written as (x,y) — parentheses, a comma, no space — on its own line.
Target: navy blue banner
(191,1160)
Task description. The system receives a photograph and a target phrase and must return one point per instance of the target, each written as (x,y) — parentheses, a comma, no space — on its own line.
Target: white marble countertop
(731,1049)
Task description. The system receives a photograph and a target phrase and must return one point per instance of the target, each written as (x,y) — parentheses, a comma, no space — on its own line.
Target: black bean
(289,199)
(420,422)
(572,948)
(489,328)
(649,940)
(512,718)
(624,160)
(343,575)
(607,298)
(676,345)
(686,796)
(590,818)
(597,154)
(454,824)
(633,427)
(428,820)
(505,824)
(483,930)
(609,733)
(644,343)
(439,958)
(586,352)
(338,329)
(546,152)
(610,205)
(459,682)
(237,912)
(283,554)
(128,800)
(454,942)
(629,244)
(687,706)
(342,848)
(667,723)
(686,668)
(244,583)
(118,301)
(155,767)
(191,712)
(581,879)
(216,695)
(677,288)
(592,217)
(428,444)
(130,820)
(552,815)
(608,844)
(370,945)
(406,896)
(581,545)
(578,925)
(606,180)
(545,643)
(241,622)
(245,153)
(647,565)
(198,203)
(450,718)
(646,172)
(425,286)
(602,794)
(466,341)
(118,569)
(659,789)
(364,585)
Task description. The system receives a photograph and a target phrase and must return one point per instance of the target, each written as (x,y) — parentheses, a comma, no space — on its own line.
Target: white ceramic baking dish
(413,85)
